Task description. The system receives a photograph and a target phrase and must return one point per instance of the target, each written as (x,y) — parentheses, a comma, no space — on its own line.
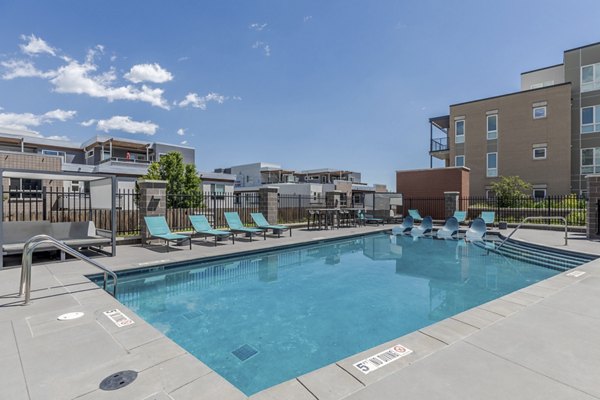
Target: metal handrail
(530,218)
(33,243)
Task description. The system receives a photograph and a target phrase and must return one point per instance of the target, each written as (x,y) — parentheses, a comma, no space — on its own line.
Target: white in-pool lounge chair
(406,226)
(425,227)
(449,229)
(477,230)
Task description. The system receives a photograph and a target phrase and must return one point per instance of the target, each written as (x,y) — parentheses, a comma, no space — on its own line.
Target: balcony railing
(126,160)
(439,144)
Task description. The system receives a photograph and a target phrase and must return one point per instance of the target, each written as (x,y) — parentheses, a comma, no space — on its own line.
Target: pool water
(263,319)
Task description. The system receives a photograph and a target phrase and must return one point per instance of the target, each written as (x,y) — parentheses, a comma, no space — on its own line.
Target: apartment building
(126,158)
(548,133)
(314,183)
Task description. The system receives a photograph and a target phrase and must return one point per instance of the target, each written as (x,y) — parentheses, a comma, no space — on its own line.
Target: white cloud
(181,131)
(192,99)
(264,46)
(148,73)
(26,121)
(184,142)
(184,58)
(126,124)
(79,79)
(239,98)
(257,27)
(23,69)
(307,18)
(56,137)
(36,45)
(89,122)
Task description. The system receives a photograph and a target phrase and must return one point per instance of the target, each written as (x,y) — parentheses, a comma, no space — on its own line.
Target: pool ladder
(563,219)
(33,243)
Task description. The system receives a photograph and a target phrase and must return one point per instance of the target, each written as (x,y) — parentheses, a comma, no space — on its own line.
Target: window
(539,194)
(590,77)
(492,165)
(490,194)
(459,131)
(217,190)
(539,153)
(590,161)
(590,119)
(541,84)
(539,112)
(459,161)
(89,153)
(492,127)
(25,188)
(55,153)
(105,155)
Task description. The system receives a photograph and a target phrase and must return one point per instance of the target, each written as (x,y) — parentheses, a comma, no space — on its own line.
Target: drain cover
(245,352)
(192,315)
(118,380)
(70,316)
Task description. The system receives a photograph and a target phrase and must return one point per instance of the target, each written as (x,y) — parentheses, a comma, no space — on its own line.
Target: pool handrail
(26,261)
(563,219)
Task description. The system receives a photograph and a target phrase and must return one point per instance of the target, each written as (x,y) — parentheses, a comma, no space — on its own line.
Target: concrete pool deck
(538,342)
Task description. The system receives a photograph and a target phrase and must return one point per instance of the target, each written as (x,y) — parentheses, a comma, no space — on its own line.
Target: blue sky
(307,84)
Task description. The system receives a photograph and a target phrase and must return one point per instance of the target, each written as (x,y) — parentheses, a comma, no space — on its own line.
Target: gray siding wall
(573,61)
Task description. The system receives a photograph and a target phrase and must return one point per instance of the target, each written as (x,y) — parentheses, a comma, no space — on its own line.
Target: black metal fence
(511,210)
(60,205)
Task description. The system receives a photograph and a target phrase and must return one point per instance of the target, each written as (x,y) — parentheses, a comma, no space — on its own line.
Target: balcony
(439,144)
(123,166)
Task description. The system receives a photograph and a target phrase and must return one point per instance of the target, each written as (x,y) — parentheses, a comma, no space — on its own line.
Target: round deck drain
(118,380)
(70,316)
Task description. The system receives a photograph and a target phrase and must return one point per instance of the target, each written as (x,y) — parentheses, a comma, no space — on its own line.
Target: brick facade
(433,182)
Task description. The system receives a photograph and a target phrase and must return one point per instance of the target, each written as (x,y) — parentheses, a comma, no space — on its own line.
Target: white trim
(459,138)
(89,154)
(456,162)
(538,190)
(491,135)
(491,172)
(537,149)
(594,168)
(540,108)
(594,84)
(595,125)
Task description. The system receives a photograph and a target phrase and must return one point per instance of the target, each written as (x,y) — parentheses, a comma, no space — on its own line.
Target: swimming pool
(262,319)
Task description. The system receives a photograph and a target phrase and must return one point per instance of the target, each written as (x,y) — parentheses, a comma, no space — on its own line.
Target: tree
(509,189)
(183,182)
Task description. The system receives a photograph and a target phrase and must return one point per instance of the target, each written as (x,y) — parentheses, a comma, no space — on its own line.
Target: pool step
(554,259)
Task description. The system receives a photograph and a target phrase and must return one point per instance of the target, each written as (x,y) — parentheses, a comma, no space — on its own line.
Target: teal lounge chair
(460,216)
(364,219)
(262,223)
(488,217)
(236,226)
(202,228)
(158,228)
(415,214)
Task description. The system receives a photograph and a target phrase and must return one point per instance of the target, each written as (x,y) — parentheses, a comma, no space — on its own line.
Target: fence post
(44,205)
(450,203)
(593,203)
(153,201)
(267,203)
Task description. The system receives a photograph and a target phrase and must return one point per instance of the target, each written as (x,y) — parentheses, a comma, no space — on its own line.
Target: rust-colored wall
(433,182)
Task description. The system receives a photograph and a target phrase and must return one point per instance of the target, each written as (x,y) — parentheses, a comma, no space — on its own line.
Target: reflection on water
(313,305)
